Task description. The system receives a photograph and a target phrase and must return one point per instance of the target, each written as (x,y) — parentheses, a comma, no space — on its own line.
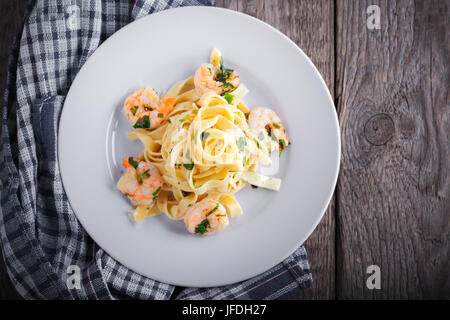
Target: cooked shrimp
(144,109)
(265,123)
(219,80)
(206,217)
(141,182)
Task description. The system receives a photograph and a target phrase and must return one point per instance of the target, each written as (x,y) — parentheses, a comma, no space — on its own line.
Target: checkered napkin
(40,235)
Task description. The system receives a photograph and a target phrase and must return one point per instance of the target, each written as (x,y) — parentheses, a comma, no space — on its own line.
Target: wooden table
(391,207)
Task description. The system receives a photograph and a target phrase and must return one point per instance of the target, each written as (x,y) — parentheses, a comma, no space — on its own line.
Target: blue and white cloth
(40,234)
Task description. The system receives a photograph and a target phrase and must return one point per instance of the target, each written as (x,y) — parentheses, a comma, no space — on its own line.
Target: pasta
(205,143)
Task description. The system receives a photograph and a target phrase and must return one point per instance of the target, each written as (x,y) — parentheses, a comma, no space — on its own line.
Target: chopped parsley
(148,109)
(282,146)
(160,115)
(202,227)
(169,121)
(257,144)
(241,143)
(228,97)
(204,135)
(133,162)
(276,125)
(182,120)
(215,208)
(156,192)
(142,175)
(134,110)
(246,115)
(227,84)
(224,74)
(142,123)
(188,166)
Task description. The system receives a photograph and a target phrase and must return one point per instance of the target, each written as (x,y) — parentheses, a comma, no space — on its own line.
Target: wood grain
(394,186)
(10,23)
(310,24)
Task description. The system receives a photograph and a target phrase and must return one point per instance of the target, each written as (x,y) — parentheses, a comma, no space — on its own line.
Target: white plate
(159,50)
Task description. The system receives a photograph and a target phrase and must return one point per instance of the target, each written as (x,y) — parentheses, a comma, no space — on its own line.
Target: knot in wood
(379,129)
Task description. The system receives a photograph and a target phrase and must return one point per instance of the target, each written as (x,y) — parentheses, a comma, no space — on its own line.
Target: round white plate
(157,51)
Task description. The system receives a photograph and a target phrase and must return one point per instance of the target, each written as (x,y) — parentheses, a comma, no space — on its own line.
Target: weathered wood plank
(12,13)
(394,185)
(310,24)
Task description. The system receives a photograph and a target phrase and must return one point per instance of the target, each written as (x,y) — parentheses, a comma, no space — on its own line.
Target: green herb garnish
(134,110)
(215,208)
(156,192)
(133,162)
(169,121)
(276,125)
(142,175)
(148,108)
(228,97)
(202,227)
(160,115)
(188,166)
(182,120)
(227,84)
(142,123)
(282,146)
(224,74)
(204,135)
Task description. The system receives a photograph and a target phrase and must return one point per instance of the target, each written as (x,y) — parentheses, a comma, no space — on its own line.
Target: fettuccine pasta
(201,145)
